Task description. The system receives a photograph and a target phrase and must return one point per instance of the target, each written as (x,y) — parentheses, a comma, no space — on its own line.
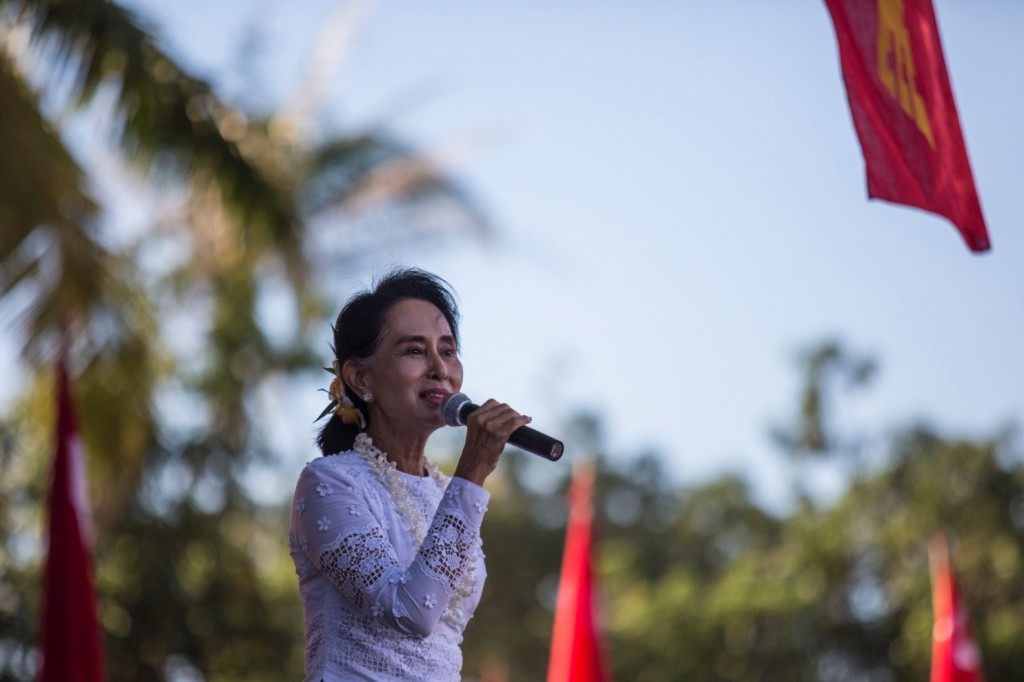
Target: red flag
(576,652)
(69,642)
(955,656)
(903,109)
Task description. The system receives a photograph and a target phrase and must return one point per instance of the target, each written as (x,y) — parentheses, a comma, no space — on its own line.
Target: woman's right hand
(488,429)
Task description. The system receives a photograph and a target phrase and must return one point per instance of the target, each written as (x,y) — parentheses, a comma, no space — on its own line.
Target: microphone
(456,407)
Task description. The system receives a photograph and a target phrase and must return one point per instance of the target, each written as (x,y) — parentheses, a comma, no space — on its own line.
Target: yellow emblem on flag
(896,65)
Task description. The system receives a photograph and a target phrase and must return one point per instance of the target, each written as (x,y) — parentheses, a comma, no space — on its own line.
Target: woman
(387,549)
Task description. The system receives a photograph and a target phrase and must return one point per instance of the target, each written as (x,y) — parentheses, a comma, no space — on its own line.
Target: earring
(367,397)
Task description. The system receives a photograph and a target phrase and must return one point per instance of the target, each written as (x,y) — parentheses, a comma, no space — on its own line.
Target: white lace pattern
(414,510)
(379,603)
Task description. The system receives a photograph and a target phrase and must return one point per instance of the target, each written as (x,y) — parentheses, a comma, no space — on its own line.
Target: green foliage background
(698,583)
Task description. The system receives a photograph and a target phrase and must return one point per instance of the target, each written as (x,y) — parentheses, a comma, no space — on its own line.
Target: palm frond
(363,172)
(40,182)
(167,119)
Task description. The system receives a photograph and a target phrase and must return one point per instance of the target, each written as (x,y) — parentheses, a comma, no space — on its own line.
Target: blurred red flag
(955,656)
(69,641)
(903,109)
(576,651)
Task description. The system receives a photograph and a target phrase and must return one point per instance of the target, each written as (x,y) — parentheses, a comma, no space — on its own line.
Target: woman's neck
(406,453)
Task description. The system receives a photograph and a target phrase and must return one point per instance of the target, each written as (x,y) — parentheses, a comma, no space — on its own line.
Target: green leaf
(327,410)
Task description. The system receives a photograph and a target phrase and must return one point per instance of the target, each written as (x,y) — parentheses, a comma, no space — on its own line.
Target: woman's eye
(448,352)
(415,351)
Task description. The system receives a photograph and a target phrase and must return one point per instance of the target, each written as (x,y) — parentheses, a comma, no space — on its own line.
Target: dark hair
(360,326)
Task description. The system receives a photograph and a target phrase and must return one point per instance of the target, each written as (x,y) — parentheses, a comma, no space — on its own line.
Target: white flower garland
(387,473)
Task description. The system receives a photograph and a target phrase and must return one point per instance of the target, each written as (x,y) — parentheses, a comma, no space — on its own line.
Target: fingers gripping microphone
(456,407)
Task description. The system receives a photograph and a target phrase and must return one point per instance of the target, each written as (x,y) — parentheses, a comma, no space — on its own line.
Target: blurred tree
(824,366)
(173,350)
(703,584)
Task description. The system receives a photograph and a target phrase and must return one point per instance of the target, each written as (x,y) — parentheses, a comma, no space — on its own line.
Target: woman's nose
(438,370)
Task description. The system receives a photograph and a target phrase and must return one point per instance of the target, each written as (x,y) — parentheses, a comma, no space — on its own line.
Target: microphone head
(451,408)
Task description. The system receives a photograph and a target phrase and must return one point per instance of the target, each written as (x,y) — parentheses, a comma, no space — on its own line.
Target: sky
(680,207)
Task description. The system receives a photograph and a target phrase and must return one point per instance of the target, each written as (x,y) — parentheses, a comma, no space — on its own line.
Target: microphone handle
(524,438)
(537,443)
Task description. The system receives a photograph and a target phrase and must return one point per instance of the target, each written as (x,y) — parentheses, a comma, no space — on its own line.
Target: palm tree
(166,320)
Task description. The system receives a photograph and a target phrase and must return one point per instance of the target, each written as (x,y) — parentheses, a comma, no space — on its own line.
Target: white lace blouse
(376,606)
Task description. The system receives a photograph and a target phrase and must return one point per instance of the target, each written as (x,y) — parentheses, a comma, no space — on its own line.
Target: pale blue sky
(680,203)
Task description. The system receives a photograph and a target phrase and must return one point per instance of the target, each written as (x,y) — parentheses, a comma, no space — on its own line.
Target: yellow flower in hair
(349,413)
(341,404)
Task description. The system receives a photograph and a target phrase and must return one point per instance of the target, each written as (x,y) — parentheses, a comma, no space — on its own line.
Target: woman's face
(415,365)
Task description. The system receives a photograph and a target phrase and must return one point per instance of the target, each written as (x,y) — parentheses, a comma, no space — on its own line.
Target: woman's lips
(434,396)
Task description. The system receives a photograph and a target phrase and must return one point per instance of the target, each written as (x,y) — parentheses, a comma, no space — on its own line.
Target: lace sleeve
(450,543)
(345,537)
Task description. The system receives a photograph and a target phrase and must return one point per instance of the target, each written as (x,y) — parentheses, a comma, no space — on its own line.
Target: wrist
(472,474)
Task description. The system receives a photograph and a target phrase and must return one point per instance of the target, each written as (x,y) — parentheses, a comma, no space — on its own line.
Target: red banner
(576,652)
(69,641)
(955,656)
(904,112)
